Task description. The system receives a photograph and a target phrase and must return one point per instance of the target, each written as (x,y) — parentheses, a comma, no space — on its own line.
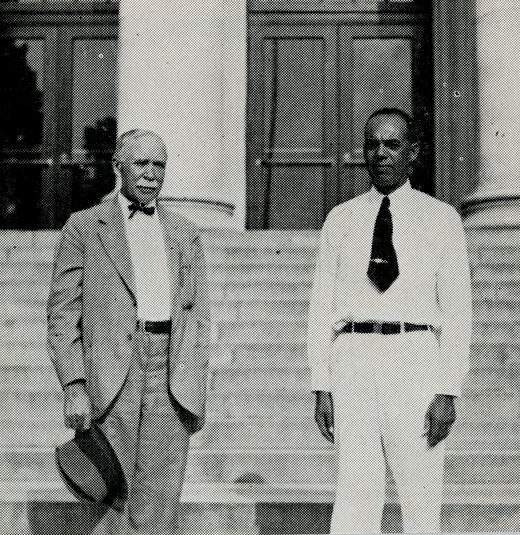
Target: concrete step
(497,273)
(498,255)
(29,354)
(262,239)
(483,237)
(276,466)
(496,331)
(262,290)
(40,273)
(265,510)
(502,312)
(28,273)
(496,291)
(47,508)
(261,432)
(33,354)
(29,389)
(221,310)
(245,331)
(26,294)
(296,310)
(269,272)
(254,412)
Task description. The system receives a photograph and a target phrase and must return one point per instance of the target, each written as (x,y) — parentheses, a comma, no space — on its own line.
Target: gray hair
(125,139)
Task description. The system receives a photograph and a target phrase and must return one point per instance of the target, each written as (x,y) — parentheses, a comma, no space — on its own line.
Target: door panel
(292,155)
(58,128)
(27,126)
(87,137)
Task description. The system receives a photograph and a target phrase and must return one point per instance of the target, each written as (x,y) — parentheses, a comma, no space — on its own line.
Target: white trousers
(382,387)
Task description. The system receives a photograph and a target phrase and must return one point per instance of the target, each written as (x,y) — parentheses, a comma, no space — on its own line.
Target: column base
(492,209)
(206,213)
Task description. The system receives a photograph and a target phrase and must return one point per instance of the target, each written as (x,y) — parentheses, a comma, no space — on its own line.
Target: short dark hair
(406,117)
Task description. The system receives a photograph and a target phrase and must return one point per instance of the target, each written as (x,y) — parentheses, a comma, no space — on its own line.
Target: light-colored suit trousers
(144,420)
(382,387)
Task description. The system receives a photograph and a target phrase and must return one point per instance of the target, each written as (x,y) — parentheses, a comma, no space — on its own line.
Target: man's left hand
(439,418)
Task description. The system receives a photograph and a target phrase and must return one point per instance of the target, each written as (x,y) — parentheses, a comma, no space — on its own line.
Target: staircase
(260,464)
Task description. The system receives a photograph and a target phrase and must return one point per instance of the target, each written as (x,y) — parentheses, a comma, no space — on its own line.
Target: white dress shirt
(148,253)
(433,286)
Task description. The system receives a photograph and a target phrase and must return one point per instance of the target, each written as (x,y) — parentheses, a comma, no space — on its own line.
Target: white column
(182,74)
(497,198)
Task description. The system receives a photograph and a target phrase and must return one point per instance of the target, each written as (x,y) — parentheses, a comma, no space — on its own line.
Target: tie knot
(385,203)
(134,207)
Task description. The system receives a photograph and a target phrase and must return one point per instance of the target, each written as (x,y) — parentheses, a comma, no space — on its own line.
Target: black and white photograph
(260,267)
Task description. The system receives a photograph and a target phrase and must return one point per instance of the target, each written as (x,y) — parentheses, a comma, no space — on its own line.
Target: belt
(383,328)
(154,327)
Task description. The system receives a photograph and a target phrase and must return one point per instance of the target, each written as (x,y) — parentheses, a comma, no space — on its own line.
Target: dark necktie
(134,207)
(383,268)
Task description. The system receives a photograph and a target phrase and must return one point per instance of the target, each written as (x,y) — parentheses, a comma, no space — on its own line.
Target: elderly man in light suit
(128,324)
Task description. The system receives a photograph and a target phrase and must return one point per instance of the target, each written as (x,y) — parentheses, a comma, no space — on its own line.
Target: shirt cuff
(320,381)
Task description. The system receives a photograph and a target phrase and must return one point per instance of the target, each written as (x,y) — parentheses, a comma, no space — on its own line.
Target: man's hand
(324,414)
(439,418)
(77,407)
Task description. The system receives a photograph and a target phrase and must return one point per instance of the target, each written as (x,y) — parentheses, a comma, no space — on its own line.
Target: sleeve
(455,300)
(319,337)
(64,307)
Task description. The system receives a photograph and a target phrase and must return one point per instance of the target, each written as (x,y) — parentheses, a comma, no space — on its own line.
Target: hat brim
(91,469)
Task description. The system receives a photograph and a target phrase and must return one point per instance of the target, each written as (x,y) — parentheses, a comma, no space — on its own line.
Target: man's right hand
(77,407)
(324,414)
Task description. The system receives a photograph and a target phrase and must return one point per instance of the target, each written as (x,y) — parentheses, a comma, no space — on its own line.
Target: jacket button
(129,336)
(182,366)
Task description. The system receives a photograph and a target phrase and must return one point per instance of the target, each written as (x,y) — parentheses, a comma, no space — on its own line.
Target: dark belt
(383,328)
(155,327)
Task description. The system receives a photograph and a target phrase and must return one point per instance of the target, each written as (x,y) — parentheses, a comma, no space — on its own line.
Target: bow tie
(134,207)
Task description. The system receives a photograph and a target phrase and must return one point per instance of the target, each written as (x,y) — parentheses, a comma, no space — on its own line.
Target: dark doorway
(58,98)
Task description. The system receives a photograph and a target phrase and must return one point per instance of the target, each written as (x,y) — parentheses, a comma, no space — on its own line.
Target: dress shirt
(145,238)
(433,286)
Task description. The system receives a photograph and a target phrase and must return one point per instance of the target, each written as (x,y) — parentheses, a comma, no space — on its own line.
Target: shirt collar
(397,195)
(125,203)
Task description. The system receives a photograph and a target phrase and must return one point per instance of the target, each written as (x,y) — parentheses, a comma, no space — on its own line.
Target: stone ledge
(251,493)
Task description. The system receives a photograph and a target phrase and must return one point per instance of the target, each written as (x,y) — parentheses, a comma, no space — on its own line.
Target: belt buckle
(377,328)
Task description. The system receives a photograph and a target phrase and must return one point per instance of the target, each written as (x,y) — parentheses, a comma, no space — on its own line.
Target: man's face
(142,169)
(388,151)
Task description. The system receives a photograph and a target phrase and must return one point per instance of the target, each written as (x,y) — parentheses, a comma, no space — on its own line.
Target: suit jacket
(92,308)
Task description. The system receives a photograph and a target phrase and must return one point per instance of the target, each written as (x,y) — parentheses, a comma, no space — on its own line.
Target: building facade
(283,86)
(262,104)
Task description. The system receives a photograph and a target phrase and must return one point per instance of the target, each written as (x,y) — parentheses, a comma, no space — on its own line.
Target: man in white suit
(128,322)
(389,335)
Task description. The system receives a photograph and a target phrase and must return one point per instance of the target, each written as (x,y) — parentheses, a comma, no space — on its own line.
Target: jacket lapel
(112,234)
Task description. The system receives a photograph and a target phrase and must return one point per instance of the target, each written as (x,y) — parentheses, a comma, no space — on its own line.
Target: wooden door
(58,128)
(27,126)
(292,125)
(311,89)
